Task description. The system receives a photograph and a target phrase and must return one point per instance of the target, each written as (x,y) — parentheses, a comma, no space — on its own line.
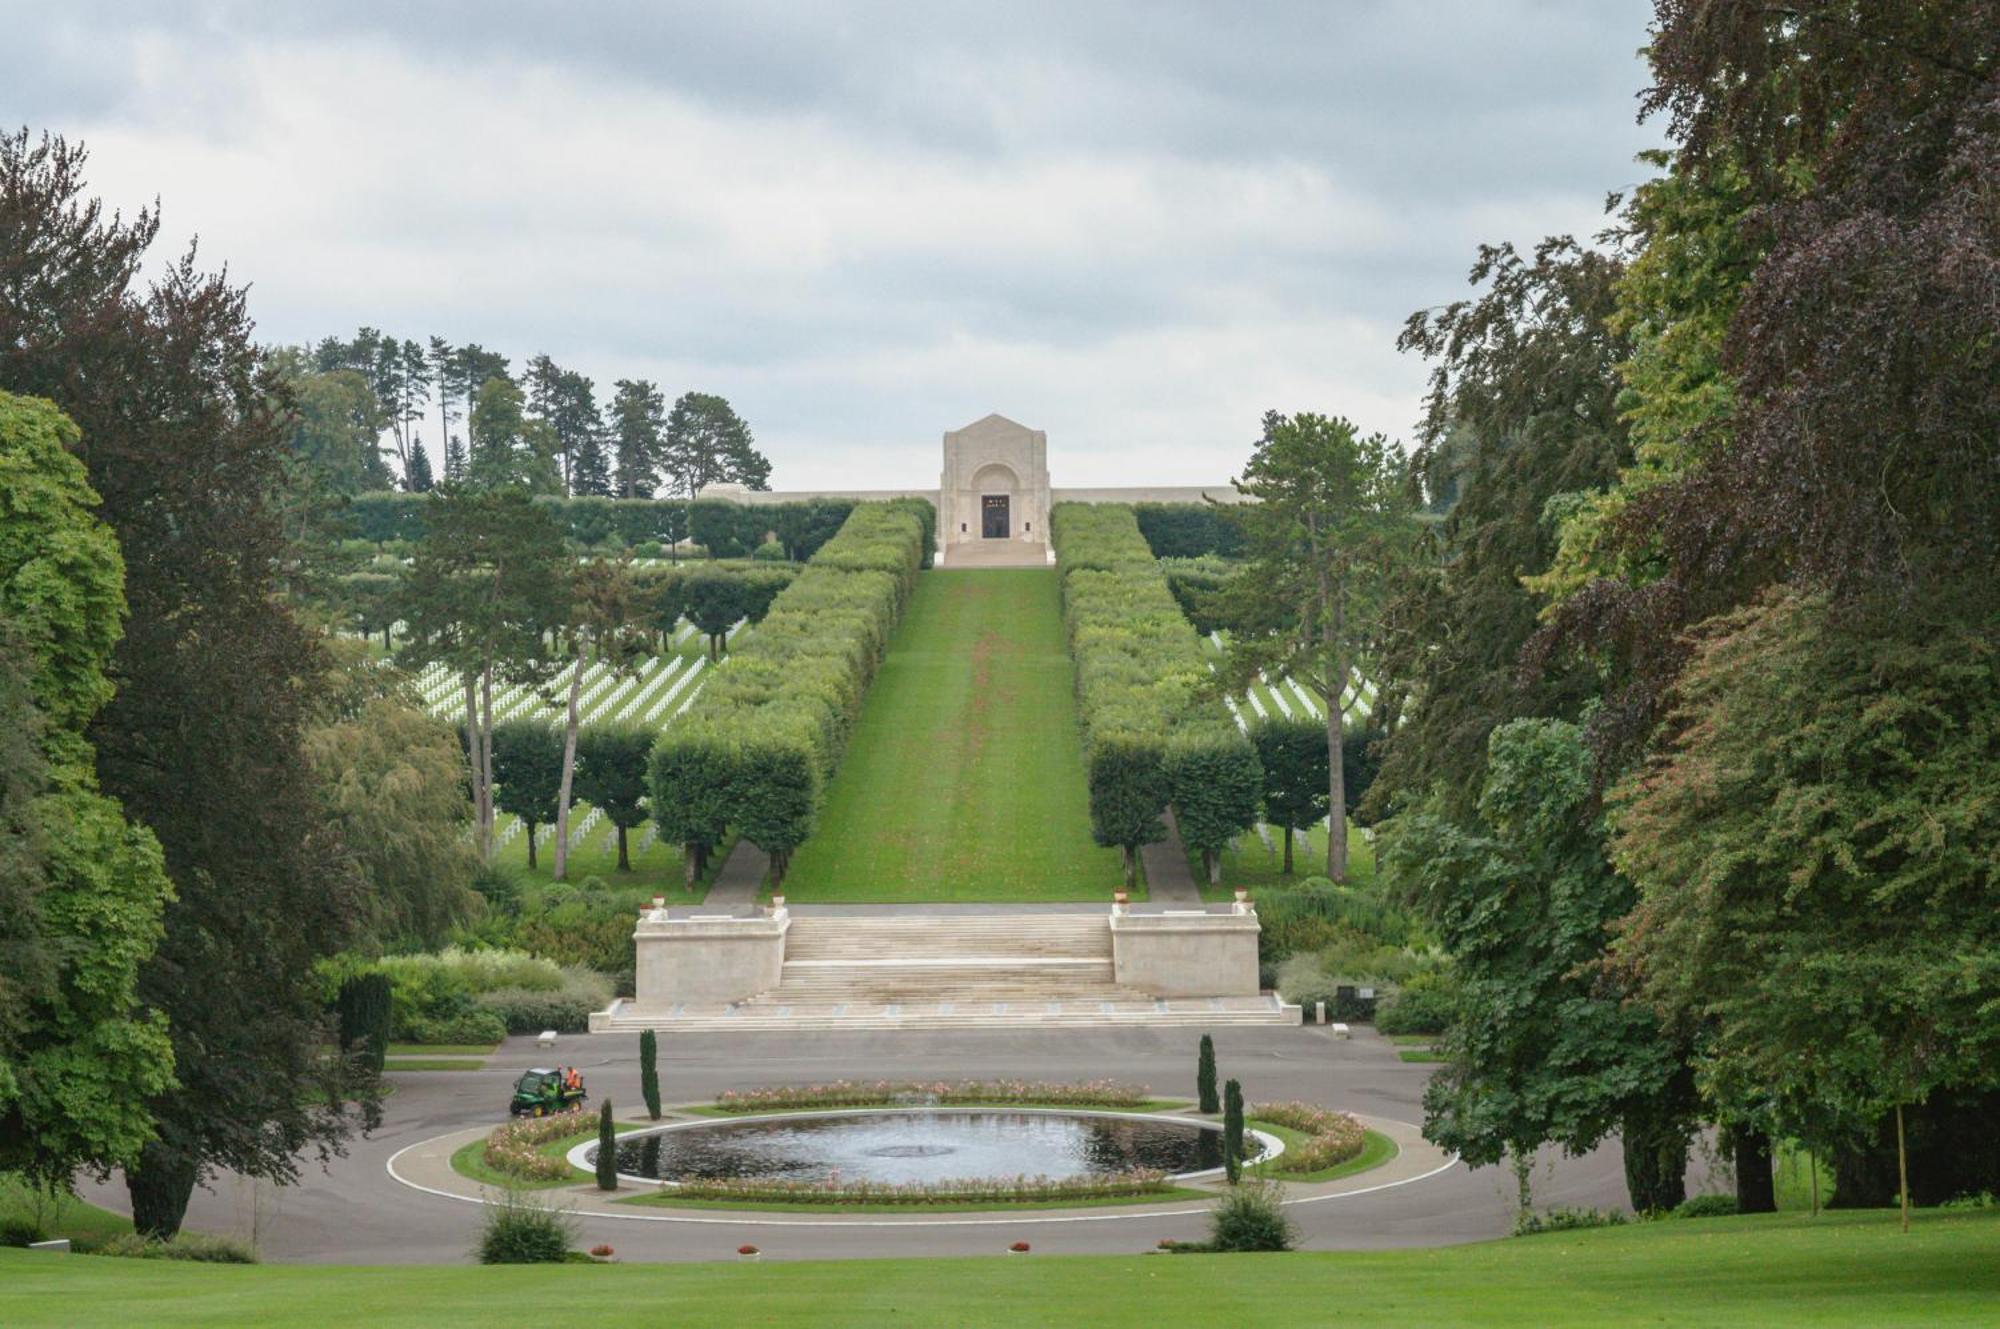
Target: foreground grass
(964,778)
(1769,1270)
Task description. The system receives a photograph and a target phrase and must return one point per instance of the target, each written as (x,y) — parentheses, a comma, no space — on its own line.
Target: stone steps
(765,1016)
(1083,936)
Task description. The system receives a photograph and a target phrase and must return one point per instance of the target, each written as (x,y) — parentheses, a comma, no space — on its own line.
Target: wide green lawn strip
(964,778)
(1766,1270)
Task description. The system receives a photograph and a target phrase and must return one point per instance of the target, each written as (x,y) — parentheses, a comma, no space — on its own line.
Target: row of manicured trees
(725,529)
(1152,736)
(713,597)
(758,752)
(1190,530)
(611,766)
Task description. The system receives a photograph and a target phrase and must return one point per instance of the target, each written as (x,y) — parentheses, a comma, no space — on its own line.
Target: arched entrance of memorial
(995,485)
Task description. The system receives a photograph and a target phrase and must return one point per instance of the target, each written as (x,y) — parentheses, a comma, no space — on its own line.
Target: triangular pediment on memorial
(994,422)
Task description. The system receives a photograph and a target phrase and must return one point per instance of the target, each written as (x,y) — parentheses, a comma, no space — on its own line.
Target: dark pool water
(923,1147)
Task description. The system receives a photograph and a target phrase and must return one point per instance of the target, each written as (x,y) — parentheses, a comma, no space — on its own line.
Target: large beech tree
(184,432)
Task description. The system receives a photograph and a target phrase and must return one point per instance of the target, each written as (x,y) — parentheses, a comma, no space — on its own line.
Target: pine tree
(1204,1076)
(444,369)
(636,425)
(590,474)
(454,458)
(418,479)
(649,1071)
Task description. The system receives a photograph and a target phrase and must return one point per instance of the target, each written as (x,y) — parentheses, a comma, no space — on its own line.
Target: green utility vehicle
(545,1091)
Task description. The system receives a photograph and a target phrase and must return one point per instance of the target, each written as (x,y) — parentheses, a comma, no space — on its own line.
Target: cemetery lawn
(1249,864)
(1781,1270)
(964,778)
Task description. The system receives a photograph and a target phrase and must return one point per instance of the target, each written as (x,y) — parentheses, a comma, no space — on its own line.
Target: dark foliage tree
(590,472)
(606,623)
(637,441)
(184,434)
(611,775)
(1331,530)
(1523,406)
(1204,1077)
(1232,1131)
(1544,1047)
(707,442)
(649,1071)
(485,591)
(527,773)
(362,1005)
(418,479)
(508,450)
(1291,751)
(607,1149)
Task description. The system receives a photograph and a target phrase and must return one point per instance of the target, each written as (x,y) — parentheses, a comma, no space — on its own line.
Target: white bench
(547,1039)
(1338,1030)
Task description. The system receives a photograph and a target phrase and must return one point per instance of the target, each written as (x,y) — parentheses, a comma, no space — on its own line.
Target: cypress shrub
(362,1005)
(1232,1131)
(649,1072)
(607,1149)
(1204,1076)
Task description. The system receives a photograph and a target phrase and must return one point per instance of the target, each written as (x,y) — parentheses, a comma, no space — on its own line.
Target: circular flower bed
(1331,1137)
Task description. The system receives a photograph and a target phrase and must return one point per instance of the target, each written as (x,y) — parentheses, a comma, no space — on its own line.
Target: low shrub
(1707,1206)
(1421,1005)
(769,552)
(1331,1137)
(476,1025)
(566,1010)
(1982,1200)
(1249,1219)
(19,1230)
(196,1246)
(873,1093)
(1560,1218)
(520,1231)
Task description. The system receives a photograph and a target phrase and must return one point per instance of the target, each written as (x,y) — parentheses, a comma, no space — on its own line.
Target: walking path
(734,890)
(1169,881)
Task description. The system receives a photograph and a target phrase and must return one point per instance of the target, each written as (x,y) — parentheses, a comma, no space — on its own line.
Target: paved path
(354,1212)
(734,890)
(1169,881)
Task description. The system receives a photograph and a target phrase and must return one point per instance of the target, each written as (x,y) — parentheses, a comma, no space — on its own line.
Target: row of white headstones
(655,694)
(1289,699)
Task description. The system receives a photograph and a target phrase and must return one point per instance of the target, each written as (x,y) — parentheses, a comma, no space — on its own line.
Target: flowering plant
(746,1249)
(873,1093)
(833,1190)
(515,1148)
(1331,1137)
(1018,1246)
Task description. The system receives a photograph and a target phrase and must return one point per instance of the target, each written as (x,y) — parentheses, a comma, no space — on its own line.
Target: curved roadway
(356,1212)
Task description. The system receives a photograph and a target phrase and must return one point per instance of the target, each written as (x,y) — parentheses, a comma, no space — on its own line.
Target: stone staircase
(941,971)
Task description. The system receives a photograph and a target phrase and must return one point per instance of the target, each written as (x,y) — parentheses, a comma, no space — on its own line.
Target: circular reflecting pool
(927,1146)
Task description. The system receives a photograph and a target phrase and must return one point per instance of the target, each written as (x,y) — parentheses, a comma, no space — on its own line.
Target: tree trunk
(1131,867)
(624,860)
(532,829)
(1288,850)
(160,1188)
(1902,1168)
(568,765)
(1754,1190)
(1211,861)
(691,862)
(475,768)
(1336,796)
(486,762)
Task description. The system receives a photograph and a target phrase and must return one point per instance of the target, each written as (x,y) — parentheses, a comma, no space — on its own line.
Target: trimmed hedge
(1153,735)
(757,753)
(727,529)
(1189,530)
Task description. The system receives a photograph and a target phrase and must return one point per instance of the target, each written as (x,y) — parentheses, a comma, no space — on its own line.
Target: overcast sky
(1135,226)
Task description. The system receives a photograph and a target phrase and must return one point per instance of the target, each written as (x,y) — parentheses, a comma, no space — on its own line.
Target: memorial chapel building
(993,496)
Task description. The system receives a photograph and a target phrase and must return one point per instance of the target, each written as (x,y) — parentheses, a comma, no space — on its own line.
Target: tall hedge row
(726,529)
(757,753)
(1189,530)
(1153,736)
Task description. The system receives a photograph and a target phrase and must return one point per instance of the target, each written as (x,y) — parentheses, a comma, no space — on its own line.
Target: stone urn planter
(1018,1248)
